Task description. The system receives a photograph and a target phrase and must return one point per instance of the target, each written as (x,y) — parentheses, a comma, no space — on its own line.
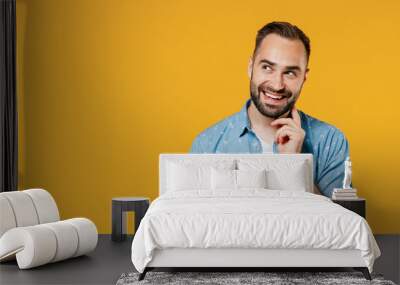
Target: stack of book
(344,194)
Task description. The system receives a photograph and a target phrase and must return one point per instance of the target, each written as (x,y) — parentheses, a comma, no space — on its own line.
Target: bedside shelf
(357,205)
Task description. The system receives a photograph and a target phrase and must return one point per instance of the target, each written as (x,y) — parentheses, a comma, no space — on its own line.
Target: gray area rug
(225,278)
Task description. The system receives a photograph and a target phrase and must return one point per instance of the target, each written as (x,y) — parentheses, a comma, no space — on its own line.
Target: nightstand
(122,205)
(357,205)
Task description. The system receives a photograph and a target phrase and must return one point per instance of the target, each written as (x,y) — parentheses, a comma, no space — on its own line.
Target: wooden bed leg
(143,274)
(364,271)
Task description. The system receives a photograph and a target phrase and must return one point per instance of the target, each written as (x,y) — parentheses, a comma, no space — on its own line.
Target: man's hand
(290,135)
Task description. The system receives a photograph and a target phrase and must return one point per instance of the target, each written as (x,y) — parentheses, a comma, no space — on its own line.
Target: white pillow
(189,174)
(281,174)
(292,179)
(251,178)
(223,179)
(237,179)
(184,177)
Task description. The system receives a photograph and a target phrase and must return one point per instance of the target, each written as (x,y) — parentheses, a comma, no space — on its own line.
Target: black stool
(121,205)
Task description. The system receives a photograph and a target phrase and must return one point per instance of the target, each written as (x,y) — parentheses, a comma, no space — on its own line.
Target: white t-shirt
(266,147)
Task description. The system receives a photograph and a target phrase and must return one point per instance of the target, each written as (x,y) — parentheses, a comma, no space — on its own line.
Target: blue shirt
(328,145)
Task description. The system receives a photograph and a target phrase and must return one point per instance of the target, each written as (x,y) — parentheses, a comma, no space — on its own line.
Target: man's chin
(273,112)
(270,111)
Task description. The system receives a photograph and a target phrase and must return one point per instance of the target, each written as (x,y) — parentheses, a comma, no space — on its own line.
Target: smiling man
(269,121)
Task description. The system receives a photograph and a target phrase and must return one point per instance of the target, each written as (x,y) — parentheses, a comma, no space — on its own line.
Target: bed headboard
(271,158)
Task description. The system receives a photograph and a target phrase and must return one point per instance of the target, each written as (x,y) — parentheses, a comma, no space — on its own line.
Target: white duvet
(251,218)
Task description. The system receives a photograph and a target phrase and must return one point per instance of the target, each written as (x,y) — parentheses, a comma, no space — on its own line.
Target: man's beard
(272,111)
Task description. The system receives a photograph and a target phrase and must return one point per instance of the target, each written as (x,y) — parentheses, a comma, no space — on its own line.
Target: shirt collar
(243,121)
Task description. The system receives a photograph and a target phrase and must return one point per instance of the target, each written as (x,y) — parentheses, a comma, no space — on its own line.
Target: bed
(245,211)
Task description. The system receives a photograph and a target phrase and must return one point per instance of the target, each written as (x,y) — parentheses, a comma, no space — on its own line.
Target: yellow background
(104,86)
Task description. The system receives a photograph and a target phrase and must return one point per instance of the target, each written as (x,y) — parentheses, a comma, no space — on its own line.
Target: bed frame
(247,259)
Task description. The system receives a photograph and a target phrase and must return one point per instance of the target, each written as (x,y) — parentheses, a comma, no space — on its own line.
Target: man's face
(277,73)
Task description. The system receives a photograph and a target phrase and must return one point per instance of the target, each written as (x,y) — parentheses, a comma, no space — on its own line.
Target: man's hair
(285,30)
